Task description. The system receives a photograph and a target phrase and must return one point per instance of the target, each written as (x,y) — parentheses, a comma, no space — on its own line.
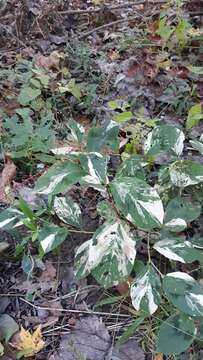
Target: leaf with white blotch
(175,225)
(77,131)
(176,334)
(145,291)
(138,202)
(132,167)
(184,292)
(185,173)
(178,250)
(182,208)
(50,237)
(11,218)
(109,255)
(197,145)
(101,137)
(59,178)
(68,211)
(95,165)
(164,138)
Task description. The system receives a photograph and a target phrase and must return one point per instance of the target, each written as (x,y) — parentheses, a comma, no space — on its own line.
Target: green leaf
(138,202)
(178,250)
(77,131)
(27,264)
(164,30)
(198,70)
(95,165)
(176,225)
(27,211)
(109,255)
(27,94)
(164,138)
(105,209)
(50,237)
(109,300)
(145,291)
(197,145)
(194,116)
(132,167)
(184,292)
(176,334)
(99,138)
(124,116)
(8,327)
(130,331)
(72,88)
(68,211)
(185,173)
(10,219)
(182,208)
(59,178)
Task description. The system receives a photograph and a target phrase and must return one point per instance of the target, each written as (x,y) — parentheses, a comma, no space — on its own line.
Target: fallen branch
(105,26)
(115,7)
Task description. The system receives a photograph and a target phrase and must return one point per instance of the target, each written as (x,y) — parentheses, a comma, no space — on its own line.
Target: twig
(73,311)
(105,26)
(115,7)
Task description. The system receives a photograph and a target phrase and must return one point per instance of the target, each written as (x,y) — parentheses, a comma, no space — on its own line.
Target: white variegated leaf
(95,165)
(59,178)
(145,291)
(178,250)
(109,255)
(68,211)
(138,202)
(11,218)
(184,292)
(197,145)
(50,237)
(176,225)
(185,173)
(164,138)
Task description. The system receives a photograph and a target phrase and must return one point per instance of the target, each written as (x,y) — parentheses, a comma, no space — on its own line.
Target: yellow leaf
(158,357)
(30,344)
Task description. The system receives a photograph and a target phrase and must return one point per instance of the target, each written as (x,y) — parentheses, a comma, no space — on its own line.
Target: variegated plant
(138,200)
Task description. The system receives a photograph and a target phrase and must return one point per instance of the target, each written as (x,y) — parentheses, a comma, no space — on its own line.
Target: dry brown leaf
(29,344)
(49,273)
(159,356)
(7,175)
(48,62)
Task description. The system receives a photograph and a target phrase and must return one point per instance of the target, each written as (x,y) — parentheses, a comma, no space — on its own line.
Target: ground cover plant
(101,183)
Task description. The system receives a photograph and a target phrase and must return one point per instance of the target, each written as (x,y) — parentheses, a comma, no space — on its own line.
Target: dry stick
(116,7)
(100,313)
(90,32)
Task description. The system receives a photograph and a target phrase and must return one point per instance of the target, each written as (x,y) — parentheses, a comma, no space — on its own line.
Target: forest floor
(107,52)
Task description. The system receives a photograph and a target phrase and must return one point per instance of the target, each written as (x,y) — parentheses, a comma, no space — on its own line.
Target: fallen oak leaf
(29,344)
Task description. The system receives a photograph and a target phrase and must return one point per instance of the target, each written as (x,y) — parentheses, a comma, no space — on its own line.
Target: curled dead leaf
(29,344)
(7,175)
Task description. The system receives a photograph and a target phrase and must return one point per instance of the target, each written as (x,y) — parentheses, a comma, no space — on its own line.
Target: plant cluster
(161,206)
